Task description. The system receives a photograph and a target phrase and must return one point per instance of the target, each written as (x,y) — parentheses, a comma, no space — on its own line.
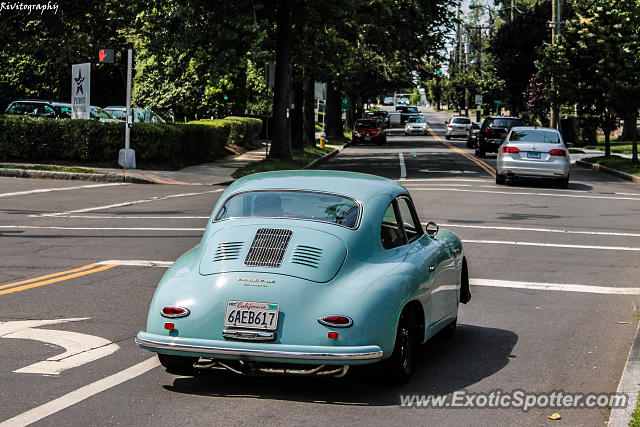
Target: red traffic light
(106,56)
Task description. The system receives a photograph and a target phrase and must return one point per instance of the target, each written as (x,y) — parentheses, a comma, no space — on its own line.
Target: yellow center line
(36,279)
(485,166)
(57,279)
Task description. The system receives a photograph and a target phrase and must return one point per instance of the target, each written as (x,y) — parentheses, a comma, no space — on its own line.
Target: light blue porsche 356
(308,272)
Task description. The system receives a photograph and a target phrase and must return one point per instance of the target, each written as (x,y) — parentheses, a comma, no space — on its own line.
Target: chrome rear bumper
(364,353)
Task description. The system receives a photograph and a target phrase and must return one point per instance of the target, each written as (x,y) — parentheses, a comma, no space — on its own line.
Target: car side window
(409,218)
(392,234)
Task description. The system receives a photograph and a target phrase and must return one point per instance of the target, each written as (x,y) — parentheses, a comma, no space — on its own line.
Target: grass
(576,151)
(300,159)
(318,127)
(616,162)
(50,168)
(621,147)
(635,417)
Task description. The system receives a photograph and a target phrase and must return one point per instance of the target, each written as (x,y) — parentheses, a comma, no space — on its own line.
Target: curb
(27,173)
(326,157)
(629,384)
(618,174)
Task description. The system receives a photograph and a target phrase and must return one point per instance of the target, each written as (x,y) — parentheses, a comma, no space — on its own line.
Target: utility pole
(554,118)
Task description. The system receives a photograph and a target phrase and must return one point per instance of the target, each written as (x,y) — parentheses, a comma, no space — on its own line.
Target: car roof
(535,128)
(461,117)
(357,185)
(503,117)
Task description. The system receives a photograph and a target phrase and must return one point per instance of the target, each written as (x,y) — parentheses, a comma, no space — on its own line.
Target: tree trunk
(296,118)
(634,138)
(281,144)
(308,114)
(607,143)
(333,113)
(630,122)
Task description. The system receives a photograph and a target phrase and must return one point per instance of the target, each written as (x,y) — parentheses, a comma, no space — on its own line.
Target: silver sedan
(533,152)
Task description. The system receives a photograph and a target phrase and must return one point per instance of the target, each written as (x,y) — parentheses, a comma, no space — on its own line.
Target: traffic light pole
(127,131)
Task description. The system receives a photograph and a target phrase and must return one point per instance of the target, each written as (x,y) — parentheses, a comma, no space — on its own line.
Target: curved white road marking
(525,193)
(543,230)
(79,348)
(48,190)
(80,394)
(552,245)
(566,287)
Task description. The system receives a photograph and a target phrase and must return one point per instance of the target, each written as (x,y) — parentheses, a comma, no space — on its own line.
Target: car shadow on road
(441,368)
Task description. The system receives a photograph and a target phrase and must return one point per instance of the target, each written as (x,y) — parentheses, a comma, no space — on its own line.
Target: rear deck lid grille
(307,256)
(268,247)
(227,251)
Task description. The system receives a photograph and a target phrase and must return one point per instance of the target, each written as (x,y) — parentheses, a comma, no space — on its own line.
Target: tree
(597,61)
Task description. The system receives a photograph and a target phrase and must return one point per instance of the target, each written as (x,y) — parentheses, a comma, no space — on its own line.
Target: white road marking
(79,348)
(552,245)
(137,263)
(478,282)
(403,168)
(81,394)
(425,180)
(43,227)
(610,290)
(523,193)
(48,190)
(543,230)
(134,202)
(132,217)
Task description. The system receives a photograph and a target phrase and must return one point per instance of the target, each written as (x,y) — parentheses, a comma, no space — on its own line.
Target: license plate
(367,138)
(254,315)
(533,155)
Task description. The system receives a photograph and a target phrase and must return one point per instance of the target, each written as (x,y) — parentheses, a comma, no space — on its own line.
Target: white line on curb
(80,394)
(629,384)
(552,245)
(565,287)
(135,202)
(48,190)
(544,230)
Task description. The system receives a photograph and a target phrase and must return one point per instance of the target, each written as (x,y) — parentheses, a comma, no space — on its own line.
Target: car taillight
(558,152)
(172,311)
(512,150)
(336,321)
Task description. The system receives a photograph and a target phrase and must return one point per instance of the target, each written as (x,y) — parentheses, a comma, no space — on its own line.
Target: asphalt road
(64,247)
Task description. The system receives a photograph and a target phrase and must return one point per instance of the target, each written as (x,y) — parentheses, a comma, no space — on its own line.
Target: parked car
(388,100)
(406,112)
(533,152)
(382,115)
(472,134)
(416,125)
(493,132)
(457,126)
(140,115)
(308,272)
(38,108)
(95,113)
(369,130)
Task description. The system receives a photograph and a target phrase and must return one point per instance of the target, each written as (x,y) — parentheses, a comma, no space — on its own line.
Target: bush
(175,145)
(244,130)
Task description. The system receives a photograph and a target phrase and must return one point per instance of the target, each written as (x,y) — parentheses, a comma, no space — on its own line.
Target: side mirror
(432,229)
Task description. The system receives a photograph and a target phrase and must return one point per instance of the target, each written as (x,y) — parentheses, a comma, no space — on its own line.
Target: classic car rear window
(534,136)
(305,205)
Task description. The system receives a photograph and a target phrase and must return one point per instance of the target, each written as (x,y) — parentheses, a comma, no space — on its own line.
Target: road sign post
(80,91)
(127,156)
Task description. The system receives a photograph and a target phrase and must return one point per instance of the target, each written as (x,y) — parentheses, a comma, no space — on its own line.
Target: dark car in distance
(369,130)
(493,132)
(406,112)
(380,114)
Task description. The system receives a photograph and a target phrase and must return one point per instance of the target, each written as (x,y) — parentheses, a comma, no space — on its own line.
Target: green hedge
(244,130)
(174,145)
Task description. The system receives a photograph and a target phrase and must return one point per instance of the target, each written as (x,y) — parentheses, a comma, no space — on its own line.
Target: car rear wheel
(564,182)
(480,151)
(447,137)
(400,364)
(178,365)
(500,179)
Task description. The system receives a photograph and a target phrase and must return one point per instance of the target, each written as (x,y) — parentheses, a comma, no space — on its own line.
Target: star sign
(79,81)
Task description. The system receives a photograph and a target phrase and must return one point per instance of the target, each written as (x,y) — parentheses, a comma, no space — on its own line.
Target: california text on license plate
(533,154)
(249,314)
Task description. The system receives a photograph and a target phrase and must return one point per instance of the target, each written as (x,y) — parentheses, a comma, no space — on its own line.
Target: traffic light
(106,56)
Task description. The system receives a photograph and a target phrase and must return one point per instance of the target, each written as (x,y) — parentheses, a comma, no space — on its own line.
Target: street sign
(80,90)
(478,99)
(319,90)
(106,56)
(497,101)
(345,103)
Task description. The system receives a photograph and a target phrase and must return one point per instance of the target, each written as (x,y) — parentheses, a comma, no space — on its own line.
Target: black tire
(178,365)
(480,152)
(500,179)
(447,137)
(400,364)
(469,143)
(564,182)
